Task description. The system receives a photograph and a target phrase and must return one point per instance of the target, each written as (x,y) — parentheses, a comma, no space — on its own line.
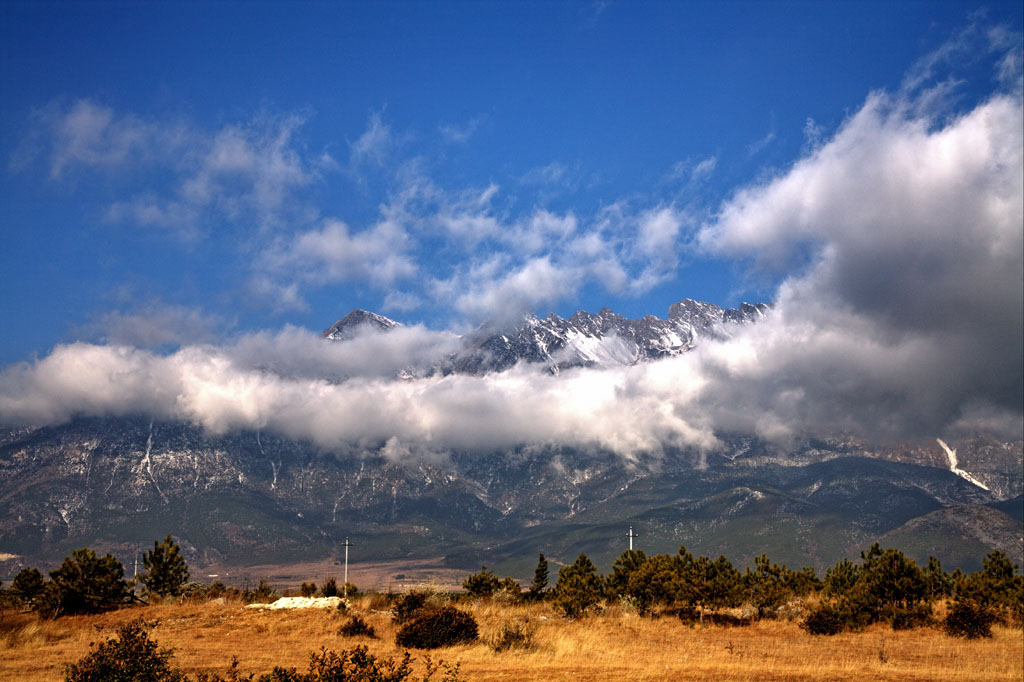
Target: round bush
(918,616)
(968,620)
(826,620)
(445,627)
(357,627)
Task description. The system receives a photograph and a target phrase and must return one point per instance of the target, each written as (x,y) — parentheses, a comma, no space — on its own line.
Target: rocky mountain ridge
(583,340)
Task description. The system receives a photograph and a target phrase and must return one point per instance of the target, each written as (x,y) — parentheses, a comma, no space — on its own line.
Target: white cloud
(460,134)
(90,134)
(499,293)
(402,301)
(157,324)
(704,168)
(909,314)
(758,146)
(333,253)
(245,172)
(375,144)
(257,384)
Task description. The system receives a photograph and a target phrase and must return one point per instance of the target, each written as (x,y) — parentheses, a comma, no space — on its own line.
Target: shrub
(357,627)
(194,591)
(911,617)
(329,588)
(725,620)
(408,606)
(969,620)
(445,627)
(130,657)
(133,657)
(307,589)
(510,587)
(377,601)
(515,635)
(356,665)
(827,619)
(264,591)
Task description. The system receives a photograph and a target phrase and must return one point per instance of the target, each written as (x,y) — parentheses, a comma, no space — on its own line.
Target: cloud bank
(900,311)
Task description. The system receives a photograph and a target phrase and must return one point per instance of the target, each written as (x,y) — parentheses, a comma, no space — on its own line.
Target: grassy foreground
(615,645)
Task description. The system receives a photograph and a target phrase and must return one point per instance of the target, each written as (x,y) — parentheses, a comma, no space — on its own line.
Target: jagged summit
(355,321)
(585,339)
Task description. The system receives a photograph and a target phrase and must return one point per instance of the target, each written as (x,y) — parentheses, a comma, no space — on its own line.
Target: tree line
(884,586)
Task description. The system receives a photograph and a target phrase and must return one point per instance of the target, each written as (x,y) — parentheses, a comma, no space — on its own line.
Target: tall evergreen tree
(166,570)
(540,578)
(938,582)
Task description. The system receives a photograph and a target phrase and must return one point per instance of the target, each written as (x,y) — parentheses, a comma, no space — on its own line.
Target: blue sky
(189,186)
(573,108)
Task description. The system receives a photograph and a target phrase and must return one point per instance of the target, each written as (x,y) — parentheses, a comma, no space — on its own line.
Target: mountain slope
(246,498)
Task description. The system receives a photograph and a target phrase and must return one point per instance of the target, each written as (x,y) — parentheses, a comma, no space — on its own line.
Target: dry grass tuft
(619,644)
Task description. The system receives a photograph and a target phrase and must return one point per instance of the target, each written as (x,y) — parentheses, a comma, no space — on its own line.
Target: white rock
(300,603)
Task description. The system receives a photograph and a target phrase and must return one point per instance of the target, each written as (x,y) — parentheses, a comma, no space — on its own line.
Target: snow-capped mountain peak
(356,322)
(584,340)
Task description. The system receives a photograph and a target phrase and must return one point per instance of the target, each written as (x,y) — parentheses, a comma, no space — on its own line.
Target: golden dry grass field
(616,645)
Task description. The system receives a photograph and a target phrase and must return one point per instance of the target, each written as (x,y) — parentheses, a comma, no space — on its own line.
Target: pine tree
(618,580)
(84,583)
(166,570)
(660,579)
(28,585)
(579,587)
(766,585)
(482,584)
(840,578)
(939,583)
(540,579)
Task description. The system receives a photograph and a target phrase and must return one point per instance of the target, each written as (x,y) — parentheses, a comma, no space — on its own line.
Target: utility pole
(344,587)
(135,575)
(631,535)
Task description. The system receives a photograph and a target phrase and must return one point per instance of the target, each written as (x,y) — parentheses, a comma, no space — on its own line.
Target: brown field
(616,645)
